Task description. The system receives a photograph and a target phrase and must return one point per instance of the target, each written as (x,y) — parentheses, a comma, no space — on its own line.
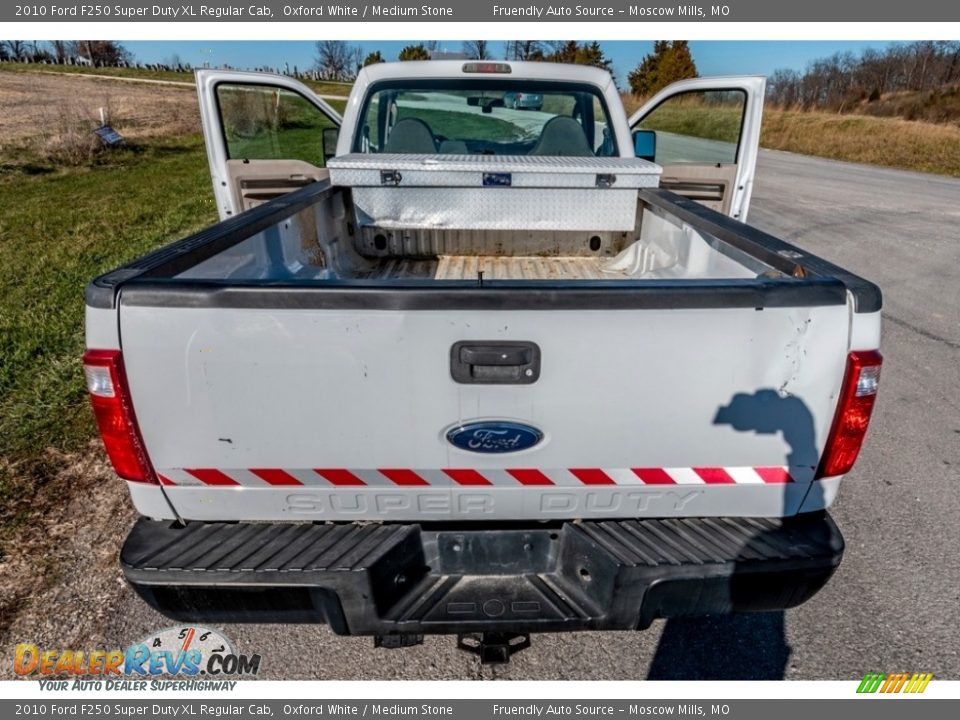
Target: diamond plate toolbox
(490,192)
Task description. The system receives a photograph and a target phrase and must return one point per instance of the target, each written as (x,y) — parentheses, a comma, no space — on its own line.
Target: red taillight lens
(857,396)
(110,396)
(487,67)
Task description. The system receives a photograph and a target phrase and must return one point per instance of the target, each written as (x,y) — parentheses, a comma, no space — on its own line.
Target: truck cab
(715,166)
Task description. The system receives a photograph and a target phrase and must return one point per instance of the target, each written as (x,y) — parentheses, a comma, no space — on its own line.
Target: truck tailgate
(303,411)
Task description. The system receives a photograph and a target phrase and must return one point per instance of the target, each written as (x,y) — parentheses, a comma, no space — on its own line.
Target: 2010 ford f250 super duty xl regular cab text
(452,366)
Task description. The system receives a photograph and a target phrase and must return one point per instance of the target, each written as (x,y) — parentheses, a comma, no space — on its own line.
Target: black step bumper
(413,579)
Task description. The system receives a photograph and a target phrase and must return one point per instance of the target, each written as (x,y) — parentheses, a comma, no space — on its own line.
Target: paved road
(672,148)
(895,602)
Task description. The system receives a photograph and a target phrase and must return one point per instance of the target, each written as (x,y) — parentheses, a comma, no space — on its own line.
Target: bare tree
(60,50)
(477,49)
(36,52)
(100,52)
(950,70)
(337,60)
(844,81)
(783,88)
(524,50)
(16,49)
(356,59)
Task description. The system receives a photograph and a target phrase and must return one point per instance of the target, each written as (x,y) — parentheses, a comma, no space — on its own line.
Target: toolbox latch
(390,177)
(605,180)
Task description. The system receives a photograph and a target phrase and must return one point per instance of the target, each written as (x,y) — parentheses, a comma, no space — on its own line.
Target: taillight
(857,396)
(110,396)
(487,67)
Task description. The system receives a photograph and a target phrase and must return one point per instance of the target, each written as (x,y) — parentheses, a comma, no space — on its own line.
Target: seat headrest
(562,136)
(411,135)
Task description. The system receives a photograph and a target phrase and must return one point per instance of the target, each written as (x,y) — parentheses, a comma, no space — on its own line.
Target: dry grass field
(891,142)
(886,141)
(50,116)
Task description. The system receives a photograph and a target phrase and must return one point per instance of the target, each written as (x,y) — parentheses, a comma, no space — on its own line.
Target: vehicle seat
(454,147)
(562,136)
(411,136)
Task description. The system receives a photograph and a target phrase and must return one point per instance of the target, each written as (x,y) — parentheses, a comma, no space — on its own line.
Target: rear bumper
(418,579)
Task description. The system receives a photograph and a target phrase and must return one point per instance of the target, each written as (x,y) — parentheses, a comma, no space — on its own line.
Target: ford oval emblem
(494,437)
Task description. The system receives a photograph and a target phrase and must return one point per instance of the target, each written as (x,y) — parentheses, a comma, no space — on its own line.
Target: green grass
(58,229)
(322,87)
(466,126)
(141,73)
(719,122)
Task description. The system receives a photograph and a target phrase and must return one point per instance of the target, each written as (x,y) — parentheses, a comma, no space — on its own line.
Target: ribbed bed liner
(466,267)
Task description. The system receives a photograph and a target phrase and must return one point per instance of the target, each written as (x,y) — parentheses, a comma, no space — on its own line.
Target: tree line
(341,61)
(838,82)
(669,61)
(66,52)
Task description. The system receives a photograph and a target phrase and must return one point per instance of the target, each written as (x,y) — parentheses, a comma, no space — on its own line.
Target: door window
(270,123)
(700,126)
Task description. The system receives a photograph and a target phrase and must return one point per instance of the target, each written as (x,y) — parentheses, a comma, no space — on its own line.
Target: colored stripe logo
(889,683)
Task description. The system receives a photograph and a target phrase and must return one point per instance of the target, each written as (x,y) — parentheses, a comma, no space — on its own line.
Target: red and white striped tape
(464,477)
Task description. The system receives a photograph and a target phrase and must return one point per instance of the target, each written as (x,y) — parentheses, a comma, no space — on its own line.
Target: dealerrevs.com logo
(181,651)
(909,683)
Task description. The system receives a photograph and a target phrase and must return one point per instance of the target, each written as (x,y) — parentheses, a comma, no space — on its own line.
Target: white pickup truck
(482,357)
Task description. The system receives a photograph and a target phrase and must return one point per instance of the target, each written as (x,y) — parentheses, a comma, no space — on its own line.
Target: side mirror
(645,144)
(491,104)
(473,100)
(330,137)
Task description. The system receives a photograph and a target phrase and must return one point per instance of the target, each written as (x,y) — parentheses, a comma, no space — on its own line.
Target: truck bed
(307,239)
(326,241)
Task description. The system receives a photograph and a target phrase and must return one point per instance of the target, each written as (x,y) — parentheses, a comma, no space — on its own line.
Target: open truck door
(705,133)
(265,135)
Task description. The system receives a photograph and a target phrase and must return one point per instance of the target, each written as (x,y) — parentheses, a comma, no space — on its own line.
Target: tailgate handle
(495,362)
(486,355)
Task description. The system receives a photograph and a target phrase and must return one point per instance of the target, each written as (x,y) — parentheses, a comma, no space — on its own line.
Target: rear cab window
(485,117)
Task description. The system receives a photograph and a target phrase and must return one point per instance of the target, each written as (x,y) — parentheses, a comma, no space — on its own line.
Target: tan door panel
(707,136)
(707,184)
(253,182)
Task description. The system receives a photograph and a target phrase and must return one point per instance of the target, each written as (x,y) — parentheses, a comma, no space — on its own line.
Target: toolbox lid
(540,171)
